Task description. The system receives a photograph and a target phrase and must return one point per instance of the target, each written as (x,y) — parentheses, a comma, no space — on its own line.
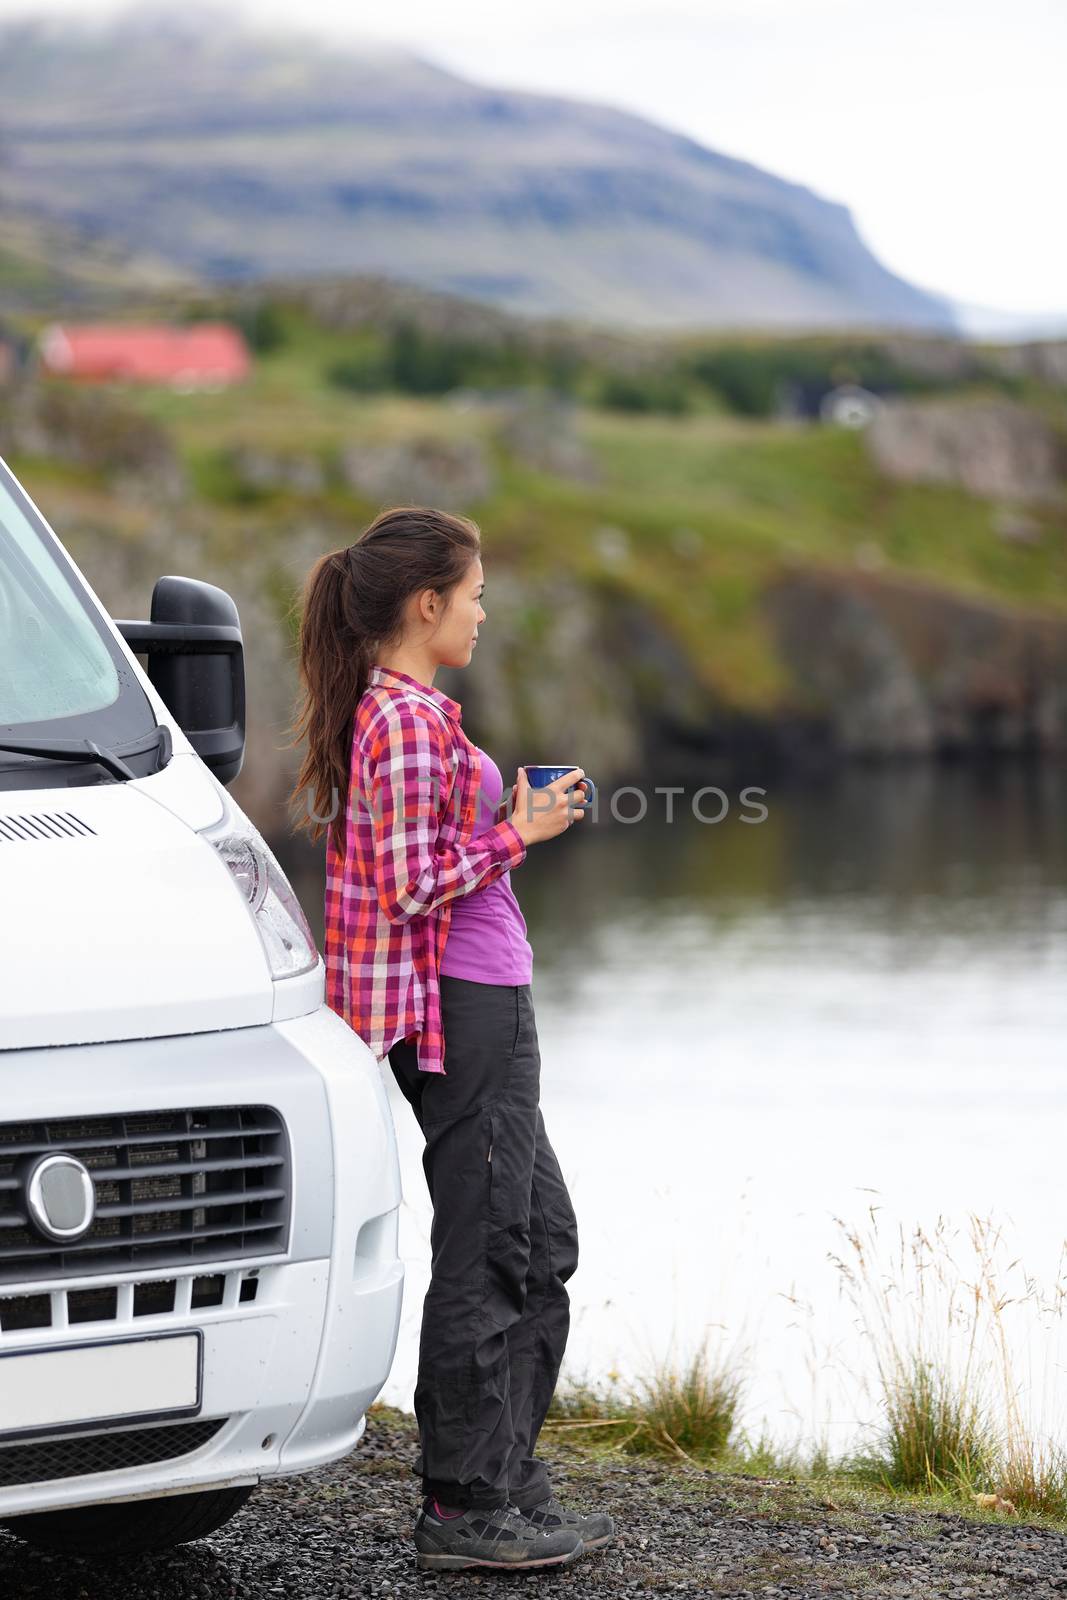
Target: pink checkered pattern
(413,793)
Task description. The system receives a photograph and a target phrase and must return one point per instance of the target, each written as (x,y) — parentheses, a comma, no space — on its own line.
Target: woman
(427,959)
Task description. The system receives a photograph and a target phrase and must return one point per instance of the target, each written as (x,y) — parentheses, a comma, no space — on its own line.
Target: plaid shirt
(413,794)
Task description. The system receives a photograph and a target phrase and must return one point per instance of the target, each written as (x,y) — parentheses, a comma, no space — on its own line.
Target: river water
(753,1033)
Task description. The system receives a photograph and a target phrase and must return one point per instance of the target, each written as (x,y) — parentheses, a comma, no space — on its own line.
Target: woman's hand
(539,814)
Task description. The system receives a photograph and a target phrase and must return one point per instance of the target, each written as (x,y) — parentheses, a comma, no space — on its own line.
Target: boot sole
(446,1563)
(594,1544)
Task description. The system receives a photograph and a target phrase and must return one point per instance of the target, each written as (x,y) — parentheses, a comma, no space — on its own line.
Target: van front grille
(76,1455)
(171,1188)
(126,1302)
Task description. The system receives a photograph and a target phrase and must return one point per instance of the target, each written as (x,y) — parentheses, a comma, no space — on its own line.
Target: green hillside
(685,568)
(710,503)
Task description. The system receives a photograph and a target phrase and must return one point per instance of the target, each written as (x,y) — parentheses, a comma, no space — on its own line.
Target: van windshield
(62,675)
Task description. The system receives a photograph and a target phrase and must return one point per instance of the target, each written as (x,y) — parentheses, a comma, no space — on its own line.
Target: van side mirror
(196,665)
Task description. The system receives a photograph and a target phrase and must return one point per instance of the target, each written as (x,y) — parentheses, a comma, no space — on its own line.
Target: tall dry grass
(947,1321)
(951,1344)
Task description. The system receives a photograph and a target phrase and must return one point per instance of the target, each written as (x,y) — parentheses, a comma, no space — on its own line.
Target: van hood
(117,920)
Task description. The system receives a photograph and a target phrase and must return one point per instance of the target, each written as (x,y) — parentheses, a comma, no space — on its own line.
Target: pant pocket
(507,1258)
(518,1024)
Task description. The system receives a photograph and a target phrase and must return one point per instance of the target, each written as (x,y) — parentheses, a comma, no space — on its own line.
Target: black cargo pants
(504,1241)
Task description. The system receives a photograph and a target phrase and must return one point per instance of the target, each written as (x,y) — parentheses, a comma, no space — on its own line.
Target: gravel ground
(346,1530)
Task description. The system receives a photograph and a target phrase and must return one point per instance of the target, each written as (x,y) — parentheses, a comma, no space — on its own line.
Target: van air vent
(45,825)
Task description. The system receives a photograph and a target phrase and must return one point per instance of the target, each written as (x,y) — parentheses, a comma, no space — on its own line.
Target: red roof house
(203,355)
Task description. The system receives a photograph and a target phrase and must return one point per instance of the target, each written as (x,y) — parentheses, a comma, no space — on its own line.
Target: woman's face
(455,638)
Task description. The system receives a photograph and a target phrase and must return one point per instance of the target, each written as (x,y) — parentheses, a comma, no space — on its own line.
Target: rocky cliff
(877,666)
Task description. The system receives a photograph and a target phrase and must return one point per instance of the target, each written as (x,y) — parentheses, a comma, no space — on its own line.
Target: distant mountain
(238,155)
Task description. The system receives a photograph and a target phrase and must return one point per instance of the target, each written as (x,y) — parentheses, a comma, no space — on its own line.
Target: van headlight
(280,922)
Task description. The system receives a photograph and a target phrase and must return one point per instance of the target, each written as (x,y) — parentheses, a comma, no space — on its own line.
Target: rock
(1015,526)
(994,448)
(687,543)
(869,555)
(541,431)
(424,470)
(1043,359)
(270,470)
(857,671)
(611,544)
(892,665)
(945,359)
(994,1502)
(87,427)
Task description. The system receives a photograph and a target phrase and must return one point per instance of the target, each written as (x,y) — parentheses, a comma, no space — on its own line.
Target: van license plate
(79,1385)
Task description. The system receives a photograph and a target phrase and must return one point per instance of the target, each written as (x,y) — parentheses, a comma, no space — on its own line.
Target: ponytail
(353,606)
(335,669)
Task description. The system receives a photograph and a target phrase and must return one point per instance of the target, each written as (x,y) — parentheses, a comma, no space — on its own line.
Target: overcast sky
(939,123)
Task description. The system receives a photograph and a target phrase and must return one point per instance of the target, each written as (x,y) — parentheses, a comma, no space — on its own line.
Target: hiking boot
(490,1536)
(594,1528)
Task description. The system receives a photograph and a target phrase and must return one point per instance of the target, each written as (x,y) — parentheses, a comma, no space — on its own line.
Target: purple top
(487,940)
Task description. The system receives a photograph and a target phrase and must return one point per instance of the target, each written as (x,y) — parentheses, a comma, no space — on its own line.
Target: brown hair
(353,605)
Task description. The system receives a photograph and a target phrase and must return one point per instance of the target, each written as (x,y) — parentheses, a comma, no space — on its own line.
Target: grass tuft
(935,1437)
(688,1414)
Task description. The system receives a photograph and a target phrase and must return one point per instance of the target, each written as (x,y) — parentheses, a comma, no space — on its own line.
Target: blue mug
(540,777)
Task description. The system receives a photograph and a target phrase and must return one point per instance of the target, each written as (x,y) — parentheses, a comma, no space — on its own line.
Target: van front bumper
(289,1365)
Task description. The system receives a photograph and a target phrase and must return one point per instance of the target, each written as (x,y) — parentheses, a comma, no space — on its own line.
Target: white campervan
(199,1184)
